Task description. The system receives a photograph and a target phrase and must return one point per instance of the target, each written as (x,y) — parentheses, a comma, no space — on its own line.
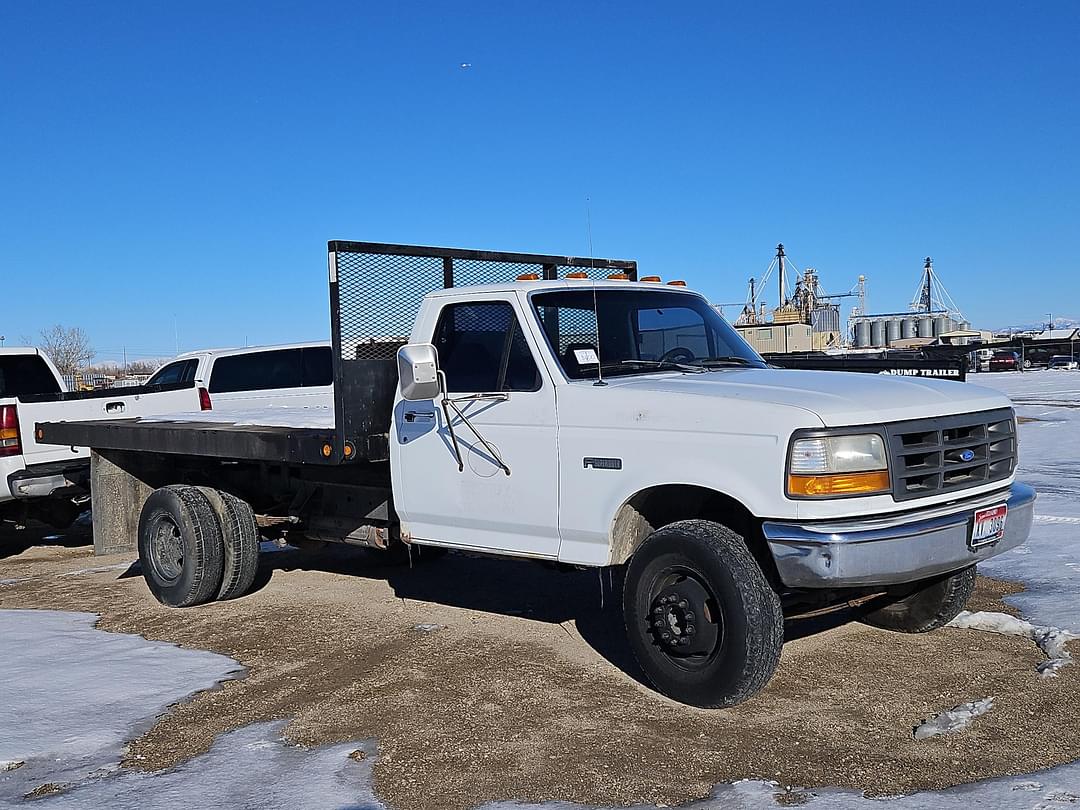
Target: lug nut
(684,642)
(666,636)
(684,604)
(690,616)
(657,610)
(658,624)
(690,629)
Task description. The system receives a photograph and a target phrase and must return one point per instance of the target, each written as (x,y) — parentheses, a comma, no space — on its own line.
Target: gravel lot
(484,680)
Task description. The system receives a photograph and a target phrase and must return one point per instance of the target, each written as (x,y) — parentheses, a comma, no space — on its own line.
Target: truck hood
(837,398)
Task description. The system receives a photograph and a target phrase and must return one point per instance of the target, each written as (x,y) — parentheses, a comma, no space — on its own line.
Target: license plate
(989,526)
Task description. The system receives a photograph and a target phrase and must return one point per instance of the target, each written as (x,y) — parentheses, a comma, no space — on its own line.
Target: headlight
(828,466)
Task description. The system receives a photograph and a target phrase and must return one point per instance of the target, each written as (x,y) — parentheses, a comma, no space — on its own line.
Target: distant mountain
(1059,323)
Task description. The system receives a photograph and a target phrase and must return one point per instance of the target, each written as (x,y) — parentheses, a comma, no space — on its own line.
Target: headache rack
(375,294)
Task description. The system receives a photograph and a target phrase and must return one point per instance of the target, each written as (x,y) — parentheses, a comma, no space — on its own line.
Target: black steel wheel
(180,546)
(702,620)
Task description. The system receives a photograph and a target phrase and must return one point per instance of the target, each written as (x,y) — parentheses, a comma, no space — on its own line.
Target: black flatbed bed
(191,438)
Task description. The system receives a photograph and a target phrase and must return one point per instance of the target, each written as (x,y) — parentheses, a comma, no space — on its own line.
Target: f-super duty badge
(602,463)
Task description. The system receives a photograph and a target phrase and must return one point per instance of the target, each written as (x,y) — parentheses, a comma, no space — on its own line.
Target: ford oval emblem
(967,455)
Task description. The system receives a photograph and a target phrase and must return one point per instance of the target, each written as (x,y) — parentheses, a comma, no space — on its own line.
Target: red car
(1005,361)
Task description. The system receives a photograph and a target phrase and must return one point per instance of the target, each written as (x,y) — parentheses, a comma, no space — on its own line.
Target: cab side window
(482,349)
(255,371)
(178,372)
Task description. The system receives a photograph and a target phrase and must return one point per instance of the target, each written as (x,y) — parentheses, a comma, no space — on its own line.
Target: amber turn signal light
(821,486)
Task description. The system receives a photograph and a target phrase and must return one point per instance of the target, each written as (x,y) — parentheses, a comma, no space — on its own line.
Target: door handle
(412,416)
(114,407)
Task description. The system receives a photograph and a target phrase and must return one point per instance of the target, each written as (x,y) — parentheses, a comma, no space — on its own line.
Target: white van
(295,375)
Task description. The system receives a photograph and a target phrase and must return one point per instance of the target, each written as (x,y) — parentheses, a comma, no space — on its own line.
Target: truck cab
(613,423)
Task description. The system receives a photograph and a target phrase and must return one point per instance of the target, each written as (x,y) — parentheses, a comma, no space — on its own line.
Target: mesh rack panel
(375,294)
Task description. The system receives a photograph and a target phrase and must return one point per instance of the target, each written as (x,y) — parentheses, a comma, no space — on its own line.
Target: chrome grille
(951,453)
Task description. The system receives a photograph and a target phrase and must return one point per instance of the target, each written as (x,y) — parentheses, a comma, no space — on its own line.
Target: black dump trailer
(329,483)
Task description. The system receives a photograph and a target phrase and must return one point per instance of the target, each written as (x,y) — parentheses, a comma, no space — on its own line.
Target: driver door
(494,378)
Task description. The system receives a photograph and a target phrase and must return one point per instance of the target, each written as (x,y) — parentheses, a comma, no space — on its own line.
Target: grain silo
(926,326)
(862,334)
(939,325)
(907,328)
(892,330)
(877,332)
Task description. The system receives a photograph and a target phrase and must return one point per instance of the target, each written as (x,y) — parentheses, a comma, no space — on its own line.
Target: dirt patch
(524,688)
(990,595)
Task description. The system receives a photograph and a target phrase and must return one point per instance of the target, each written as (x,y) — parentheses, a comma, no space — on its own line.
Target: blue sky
(189,160)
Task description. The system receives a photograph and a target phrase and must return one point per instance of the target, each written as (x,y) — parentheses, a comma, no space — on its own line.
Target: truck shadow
(15,541)
(590,599)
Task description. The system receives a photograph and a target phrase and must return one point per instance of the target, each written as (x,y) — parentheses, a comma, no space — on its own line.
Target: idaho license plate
(989,526)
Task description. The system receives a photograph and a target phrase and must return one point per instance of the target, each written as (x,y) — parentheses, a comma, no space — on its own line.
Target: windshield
(641,332)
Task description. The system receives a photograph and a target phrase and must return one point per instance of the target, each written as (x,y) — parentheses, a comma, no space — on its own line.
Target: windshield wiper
(662,364)
(725,360)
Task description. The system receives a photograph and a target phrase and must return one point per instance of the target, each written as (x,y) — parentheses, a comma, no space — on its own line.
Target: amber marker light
(618,277)
(677,283)
(651,279)
(577,274)
(528,277)
(819,486)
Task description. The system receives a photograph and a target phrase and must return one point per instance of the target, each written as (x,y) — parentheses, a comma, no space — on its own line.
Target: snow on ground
(1049,563)
(1051,640)
(266,416)
(248,768)
(1044,790)
(73,695)
(953,720)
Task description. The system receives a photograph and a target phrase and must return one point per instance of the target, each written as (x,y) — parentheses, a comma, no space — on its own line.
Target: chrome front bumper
(892,550)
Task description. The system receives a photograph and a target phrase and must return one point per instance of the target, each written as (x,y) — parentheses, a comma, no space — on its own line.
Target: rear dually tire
(180,546)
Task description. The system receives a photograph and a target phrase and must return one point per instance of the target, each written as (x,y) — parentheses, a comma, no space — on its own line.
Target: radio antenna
(595,306)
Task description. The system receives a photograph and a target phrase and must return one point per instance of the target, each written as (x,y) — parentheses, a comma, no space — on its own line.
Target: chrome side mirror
(418,372)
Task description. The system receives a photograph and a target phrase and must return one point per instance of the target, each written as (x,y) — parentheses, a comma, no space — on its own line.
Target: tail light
(9,431)
(204,400)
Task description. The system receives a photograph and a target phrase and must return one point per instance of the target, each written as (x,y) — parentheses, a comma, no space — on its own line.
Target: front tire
(703,622)
(180,546)
(932,604)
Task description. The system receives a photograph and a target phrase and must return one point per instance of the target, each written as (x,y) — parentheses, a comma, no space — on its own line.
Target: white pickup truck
(571,413)
(44,481)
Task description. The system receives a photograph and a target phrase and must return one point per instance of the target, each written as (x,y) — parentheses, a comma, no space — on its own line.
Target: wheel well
(658,506)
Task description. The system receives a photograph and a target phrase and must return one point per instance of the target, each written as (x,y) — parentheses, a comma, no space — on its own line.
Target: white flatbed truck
(571,413)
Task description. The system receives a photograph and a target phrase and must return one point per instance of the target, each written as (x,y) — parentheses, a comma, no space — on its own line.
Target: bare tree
(143,366)
(69,348)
